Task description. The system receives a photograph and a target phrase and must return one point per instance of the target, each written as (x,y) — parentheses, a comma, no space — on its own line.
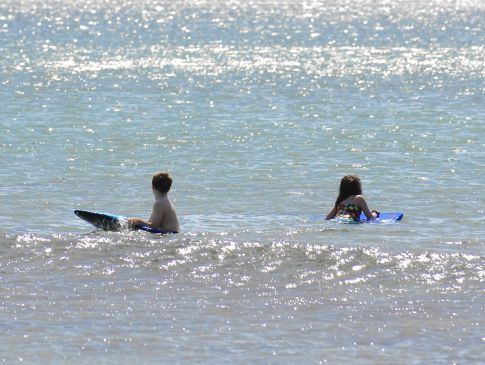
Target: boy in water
(163,213)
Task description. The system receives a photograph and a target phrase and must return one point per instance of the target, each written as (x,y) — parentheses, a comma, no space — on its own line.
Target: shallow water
(257,108)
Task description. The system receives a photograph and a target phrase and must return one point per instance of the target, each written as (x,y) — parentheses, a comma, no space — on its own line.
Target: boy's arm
(135,222)
(155,220)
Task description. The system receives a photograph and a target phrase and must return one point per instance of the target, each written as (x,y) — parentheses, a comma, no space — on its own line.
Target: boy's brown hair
(162,182)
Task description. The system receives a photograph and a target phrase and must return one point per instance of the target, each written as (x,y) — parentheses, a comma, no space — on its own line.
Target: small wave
(213,257)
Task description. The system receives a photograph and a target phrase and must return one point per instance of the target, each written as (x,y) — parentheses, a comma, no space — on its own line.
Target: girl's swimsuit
(349,210)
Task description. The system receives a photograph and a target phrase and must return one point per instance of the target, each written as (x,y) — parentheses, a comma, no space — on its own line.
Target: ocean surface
(257,109)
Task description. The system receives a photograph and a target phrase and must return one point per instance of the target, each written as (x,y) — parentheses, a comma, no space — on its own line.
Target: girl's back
(349,209)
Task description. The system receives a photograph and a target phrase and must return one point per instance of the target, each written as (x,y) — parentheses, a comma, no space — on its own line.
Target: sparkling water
(257,109)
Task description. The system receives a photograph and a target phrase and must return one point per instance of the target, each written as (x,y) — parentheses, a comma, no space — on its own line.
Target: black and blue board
(113,222)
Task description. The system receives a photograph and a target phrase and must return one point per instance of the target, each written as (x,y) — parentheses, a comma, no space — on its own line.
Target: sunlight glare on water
(257,109)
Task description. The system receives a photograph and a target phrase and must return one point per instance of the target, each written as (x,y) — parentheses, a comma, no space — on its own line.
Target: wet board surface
(384,218)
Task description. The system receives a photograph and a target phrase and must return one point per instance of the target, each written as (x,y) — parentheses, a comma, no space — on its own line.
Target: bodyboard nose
(105,221)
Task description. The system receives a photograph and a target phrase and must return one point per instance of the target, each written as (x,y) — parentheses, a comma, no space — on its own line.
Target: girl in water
(350,203)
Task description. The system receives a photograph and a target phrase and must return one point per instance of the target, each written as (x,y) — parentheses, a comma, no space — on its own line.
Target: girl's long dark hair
(349,185)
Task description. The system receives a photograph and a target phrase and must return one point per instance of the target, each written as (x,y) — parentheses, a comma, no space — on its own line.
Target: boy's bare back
(163,215)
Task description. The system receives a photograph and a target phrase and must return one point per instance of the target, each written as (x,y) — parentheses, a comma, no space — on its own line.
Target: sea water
(257,109)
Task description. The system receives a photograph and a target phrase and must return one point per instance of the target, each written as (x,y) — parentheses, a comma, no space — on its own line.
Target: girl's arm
(360,201)
(332,214)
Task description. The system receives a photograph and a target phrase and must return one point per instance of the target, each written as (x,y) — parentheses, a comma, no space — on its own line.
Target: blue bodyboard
(113,222)
(384,218)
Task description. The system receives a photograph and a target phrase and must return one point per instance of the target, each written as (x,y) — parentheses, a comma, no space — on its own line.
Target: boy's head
(162,182)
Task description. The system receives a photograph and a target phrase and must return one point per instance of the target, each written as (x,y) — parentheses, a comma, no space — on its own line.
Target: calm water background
(257,108)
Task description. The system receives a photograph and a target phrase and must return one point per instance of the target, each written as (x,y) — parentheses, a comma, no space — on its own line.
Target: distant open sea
(257,109)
